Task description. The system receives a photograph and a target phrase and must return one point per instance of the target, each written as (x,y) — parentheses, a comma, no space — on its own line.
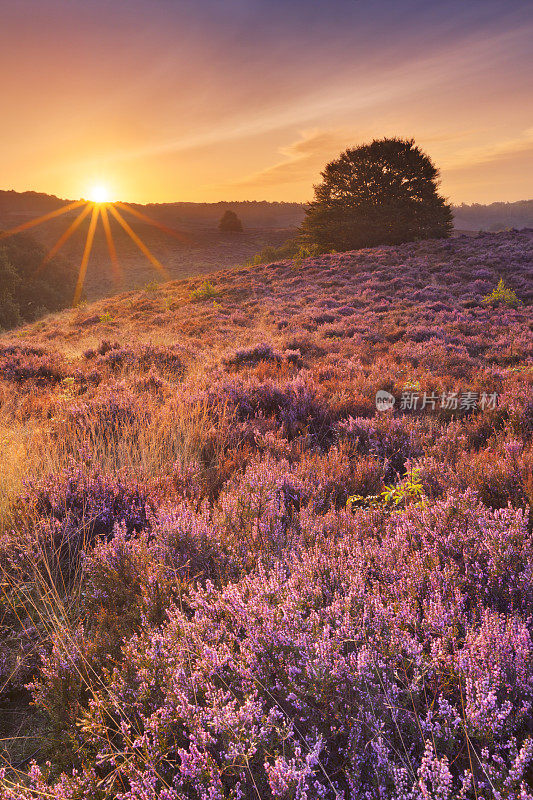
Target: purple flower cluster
(84,500)
(140,358)
(328,671)
(30,365)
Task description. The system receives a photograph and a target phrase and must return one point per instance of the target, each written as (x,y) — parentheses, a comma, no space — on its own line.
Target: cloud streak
(303,158)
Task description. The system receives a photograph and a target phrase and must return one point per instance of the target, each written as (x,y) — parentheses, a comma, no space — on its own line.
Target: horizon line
(233,202)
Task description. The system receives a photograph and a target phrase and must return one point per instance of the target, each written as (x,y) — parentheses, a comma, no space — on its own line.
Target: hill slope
(427,283)
(208,587)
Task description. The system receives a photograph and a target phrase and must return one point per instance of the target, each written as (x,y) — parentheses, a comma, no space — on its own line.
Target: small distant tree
(379,193)
(230,223)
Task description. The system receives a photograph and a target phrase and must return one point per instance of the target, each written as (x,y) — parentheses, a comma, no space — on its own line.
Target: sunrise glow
(97,206)
(99,194)
(353,72)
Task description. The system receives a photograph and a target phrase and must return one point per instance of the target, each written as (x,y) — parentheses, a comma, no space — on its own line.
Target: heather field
(227,575)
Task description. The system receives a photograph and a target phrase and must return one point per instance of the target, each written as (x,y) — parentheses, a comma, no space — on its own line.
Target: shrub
(31,365)
(408,491)
(294,249)
(89,504)
(142,358)
(204,292)
(230,223)
(502,295)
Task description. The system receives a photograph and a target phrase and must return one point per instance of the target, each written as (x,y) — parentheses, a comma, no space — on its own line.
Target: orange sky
(166,100)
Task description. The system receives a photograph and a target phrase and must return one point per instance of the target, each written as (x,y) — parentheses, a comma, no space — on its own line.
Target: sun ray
(115,264)
(98,207)
(63,238)
(44,218)
(145,218)
(86,254)
(140,244)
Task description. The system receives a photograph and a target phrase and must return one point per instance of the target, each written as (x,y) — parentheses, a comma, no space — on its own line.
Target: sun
(99,194)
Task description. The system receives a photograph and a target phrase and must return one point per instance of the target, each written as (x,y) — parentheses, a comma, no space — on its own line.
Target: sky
(208,100)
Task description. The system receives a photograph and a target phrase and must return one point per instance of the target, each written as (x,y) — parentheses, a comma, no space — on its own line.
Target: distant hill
(494,217)
(17,206)
(204,250)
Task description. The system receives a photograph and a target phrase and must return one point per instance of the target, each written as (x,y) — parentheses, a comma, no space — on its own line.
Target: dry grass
(175,436)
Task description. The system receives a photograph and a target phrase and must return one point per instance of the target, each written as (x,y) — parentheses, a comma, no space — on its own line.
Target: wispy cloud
(304,158)
(486,154)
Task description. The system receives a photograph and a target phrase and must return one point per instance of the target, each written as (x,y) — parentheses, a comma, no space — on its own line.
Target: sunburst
(98,207)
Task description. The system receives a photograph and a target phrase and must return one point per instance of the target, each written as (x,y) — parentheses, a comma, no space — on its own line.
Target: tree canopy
(25,293)
(379,193)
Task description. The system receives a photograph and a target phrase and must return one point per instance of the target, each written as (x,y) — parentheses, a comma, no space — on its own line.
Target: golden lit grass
(23,456)
(46,605)
(38,438)
(170,434)
(41,596)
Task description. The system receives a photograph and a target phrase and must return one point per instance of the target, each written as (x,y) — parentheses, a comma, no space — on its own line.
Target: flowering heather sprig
(92,504)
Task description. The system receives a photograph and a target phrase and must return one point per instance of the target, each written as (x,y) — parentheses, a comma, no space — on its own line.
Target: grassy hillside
(226,574)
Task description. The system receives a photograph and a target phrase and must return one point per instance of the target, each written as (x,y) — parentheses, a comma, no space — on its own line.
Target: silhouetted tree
(230,223)
(379,193)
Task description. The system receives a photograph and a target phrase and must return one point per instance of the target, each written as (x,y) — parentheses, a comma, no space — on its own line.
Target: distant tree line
(495,216)
(25,293)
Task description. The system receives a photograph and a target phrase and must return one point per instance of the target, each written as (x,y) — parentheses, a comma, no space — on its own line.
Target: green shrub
(291,249)
(409,491)
(502,295)
(204,292)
